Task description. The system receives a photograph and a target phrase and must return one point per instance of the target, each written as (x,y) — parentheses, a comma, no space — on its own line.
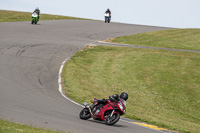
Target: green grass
(163,86)
(14,16)
(10,127)
(173,38)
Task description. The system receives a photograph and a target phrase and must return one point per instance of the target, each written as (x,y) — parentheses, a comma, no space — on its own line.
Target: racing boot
(92,107)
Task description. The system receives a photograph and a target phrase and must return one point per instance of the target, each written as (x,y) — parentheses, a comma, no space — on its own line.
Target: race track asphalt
(30,59)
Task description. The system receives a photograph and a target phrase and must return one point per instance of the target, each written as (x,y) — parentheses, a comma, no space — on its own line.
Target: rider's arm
(102,101)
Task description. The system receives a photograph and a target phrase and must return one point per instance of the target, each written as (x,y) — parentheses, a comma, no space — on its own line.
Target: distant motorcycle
(110,112)
(107,17)
(34,18)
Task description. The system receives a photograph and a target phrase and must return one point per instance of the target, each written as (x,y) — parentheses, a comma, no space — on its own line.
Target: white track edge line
(60,83)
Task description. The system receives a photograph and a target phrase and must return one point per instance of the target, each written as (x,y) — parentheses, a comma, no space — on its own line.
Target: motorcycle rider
(108,11)
(38,12)
(113,98)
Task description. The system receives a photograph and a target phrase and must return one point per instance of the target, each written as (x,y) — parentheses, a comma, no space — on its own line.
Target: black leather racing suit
(102,102)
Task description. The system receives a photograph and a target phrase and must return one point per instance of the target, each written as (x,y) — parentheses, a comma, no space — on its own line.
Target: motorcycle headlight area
(34,15)
(120,106)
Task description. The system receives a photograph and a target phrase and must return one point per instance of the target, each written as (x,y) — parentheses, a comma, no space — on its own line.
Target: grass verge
(163,86)
(173,38)
(14,16)
(10,127)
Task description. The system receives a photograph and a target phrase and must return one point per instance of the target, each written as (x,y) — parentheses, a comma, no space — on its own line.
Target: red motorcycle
(110,112)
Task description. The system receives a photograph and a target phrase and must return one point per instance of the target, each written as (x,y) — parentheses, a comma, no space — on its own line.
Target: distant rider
(38,12)
(108,11)
(113,98)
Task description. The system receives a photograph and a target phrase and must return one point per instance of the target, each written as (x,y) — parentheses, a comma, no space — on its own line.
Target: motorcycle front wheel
(85,114)
(112,120)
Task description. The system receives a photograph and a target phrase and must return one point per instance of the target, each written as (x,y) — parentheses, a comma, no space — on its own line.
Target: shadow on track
(102,122)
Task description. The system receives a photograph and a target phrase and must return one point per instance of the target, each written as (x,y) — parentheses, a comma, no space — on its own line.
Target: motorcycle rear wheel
(112,120)
(85,114)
